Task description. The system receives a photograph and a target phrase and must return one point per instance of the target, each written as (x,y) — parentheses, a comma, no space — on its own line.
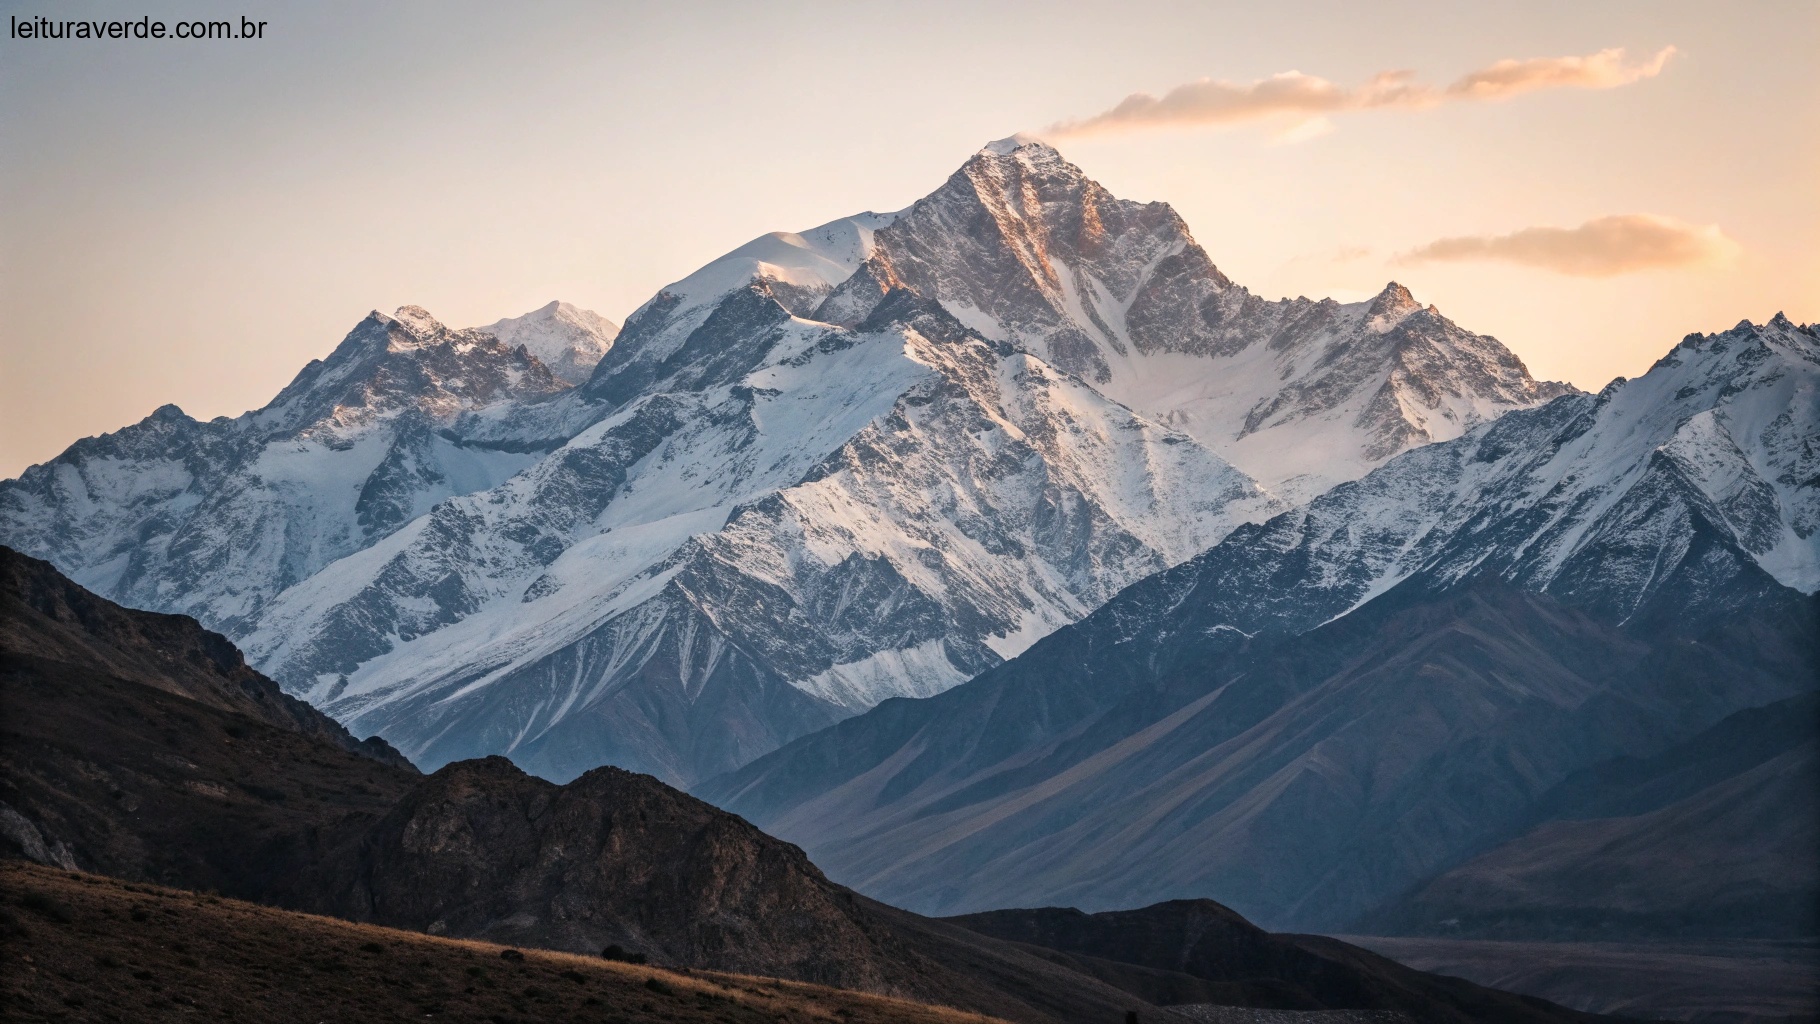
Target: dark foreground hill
(1244,965)
(82,947)
(142,746)
(1723,981)
(45,616)
(108,772)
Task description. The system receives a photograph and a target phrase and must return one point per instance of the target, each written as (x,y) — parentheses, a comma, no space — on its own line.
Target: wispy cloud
(1603,247)
(1300,103)
(1603,70)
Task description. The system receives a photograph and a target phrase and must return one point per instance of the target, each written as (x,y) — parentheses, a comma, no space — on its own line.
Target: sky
(193,221)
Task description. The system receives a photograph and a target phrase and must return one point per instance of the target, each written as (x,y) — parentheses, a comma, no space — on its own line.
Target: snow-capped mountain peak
(566,338)
(418,321)
(805,264)
(1011,144)
(1024,248)
(837,465)
(214,519)
(1390,307)
(1661,498)
(388,364)
(754,287)
(861,513)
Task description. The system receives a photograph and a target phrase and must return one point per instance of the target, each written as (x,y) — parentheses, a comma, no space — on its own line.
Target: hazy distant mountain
(1328,708)
(1715,836)
(867,460)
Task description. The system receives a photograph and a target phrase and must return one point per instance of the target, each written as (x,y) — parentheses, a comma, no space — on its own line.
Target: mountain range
(869,460)
(139,746)
(998,551)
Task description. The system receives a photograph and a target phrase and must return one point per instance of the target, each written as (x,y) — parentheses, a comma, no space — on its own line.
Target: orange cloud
(1603,70)
(1295,99)
(1603,247)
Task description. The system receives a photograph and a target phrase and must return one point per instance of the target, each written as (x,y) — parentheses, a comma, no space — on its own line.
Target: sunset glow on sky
(192,223)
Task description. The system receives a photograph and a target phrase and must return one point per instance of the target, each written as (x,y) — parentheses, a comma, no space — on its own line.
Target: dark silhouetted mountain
(1309,778)
(44,617)
(140,745)
(1202,939)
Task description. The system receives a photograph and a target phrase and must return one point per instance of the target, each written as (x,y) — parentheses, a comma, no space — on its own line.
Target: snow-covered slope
(865,460)
(567,339)
(1023,247)
(792,270)
(866,513)
(1656,498)
(214,519)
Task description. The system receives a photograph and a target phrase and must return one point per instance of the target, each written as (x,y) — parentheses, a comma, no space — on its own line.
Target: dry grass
(81,947)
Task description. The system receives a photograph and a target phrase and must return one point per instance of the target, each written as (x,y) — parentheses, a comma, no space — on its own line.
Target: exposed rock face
(863,461)
(1326,709)
(609,858)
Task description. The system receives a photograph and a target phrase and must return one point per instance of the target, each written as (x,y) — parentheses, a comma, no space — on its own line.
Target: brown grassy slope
(81,947)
